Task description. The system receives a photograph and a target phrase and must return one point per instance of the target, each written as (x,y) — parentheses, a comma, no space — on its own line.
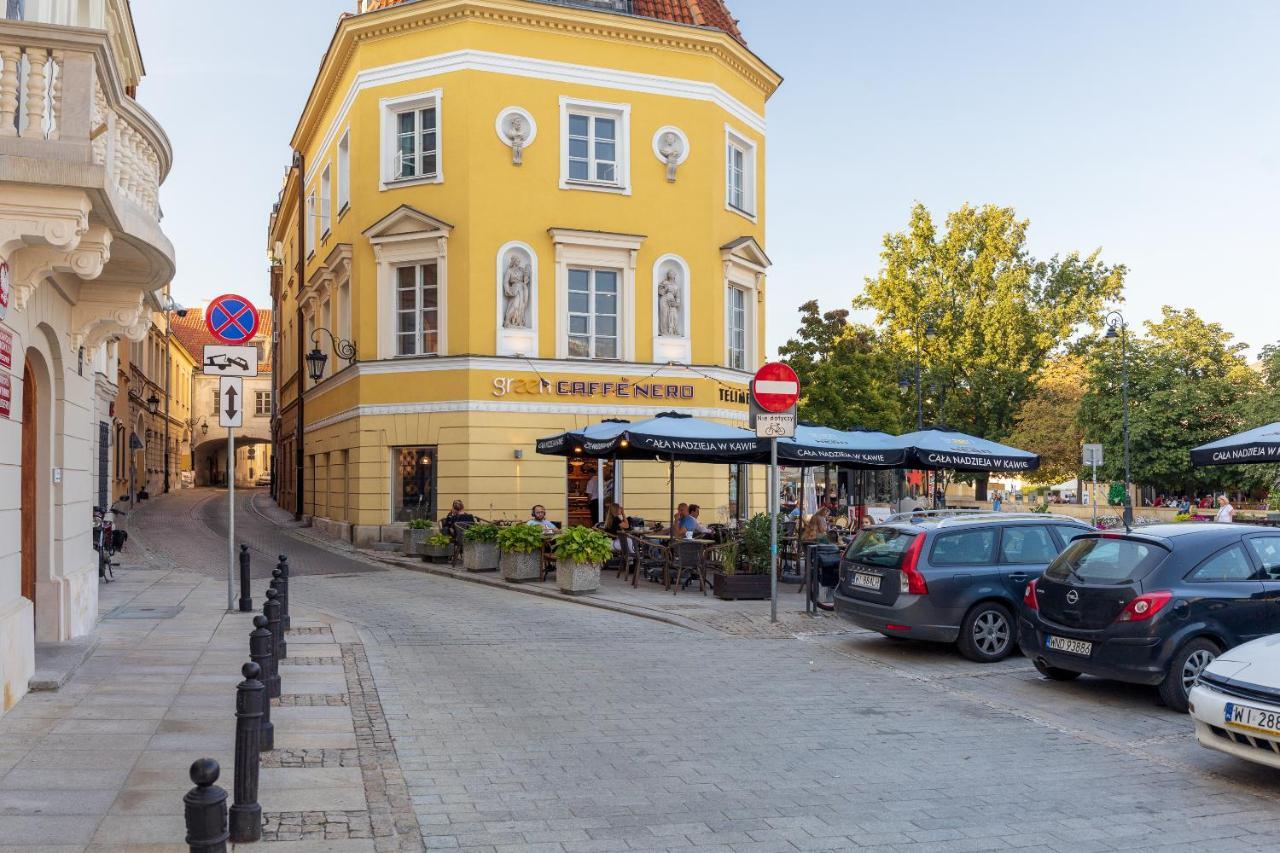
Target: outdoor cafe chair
(653,560)
(687,565)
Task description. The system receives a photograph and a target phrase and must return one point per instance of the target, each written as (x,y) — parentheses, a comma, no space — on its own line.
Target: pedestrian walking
(1226,512)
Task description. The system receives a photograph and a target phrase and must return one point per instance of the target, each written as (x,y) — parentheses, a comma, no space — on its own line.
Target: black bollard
(246,812)
(280,581)
(206,809)
(260,653)
(271,610)
(283,566)
(246,594)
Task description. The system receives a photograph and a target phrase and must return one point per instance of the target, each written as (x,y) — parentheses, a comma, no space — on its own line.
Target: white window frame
(729,329)
(418,308)
(344,172)
(737,141)
(407,237)
(744,268)
(326,200)
(311,223)
(591,313)
(621,114)
(390,109)
(597,250)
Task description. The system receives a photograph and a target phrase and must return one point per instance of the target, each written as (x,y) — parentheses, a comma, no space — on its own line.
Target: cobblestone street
(521,724)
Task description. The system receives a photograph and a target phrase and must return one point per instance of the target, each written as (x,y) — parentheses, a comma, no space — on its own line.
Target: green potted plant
(480,547)
(521,548)
(746,572)
(438,548)
(580,551)
(416,535)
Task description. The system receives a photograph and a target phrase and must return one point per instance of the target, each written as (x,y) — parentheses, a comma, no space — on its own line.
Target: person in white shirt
(593,498)
(1226,512)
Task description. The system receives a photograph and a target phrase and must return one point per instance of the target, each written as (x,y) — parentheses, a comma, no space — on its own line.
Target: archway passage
(30,438)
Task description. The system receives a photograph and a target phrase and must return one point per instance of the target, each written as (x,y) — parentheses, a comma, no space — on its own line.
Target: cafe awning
(1259,445)
(937,448)
(819,445)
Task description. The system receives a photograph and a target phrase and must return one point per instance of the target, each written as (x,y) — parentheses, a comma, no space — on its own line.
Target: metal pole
(599,490)
(1095,491)
(231,517)
(1124,392)
(773,529)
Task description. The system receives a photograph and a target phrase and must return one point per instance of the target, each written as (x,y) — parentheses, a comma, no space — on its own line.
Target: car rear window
(880,546)
(964,548)
(1106,560)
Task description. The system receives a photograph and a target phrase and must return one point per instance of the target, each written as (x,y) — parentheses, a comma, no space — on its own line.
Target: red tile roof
(699,13)
(193,334)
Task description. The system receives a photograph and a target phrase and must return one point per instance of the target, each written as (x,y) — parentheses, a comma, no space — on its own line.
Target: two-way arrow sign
(231,402)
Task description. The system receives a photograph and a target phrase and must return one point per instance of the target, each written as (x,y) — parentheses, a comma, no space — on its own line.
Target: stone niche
(517,300)
(671,310)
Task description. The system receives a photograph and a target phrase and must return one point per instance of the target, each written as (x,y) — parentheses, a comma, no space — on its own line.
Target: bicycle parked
(105,542)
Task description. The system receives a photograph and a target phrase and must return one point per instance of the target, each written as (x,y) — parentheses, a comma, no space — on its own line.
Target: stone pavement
(102,763)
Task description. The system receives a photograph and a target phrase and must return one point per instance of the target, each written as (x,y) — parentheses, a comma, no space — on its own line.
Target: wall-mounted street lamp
(153,403)
(252,453)
(316,359)
(204,428)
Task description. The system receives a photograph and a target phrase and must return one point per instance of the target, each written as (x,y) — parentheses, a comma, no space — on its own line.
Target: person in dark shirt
(457,514)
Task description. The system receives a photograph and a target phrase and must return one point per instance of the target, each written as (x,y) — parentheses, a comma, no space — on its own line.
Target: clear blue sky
(1149,129)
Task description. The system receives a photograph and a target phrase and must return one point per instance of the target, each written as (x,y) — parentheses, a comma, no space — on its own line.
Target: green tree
(1189,383)
(846,378)
(995,312)
(1047,422)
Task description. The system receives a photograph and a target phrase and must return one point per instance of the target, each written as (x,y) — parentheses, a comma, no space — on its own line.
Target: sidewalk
(102,763)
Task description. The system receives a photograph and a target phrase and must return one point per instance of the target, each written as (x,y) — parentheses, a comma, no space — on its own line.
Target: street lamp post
(316,359)
(1117,327)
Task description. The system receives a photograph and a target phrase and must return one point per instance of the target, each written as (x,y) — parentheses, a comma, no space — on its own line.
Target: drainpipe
(299,163)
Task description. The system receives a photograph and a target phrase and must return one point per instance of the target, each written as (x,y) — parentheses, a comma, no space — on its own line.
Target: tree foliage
(997,314)
(1189,383)
(1047,423)
(846,378)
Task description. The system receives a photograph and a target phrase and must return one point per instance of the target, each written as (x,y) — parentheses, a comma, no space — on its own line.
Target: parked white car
(1236,702)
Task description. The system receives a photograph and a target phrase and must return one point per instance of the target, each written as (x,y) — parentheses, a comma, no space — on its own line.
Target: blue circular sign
(231,319)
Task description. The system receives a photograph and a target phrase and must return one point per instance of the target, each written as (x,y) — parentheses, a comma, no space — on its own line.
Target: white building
(82,255)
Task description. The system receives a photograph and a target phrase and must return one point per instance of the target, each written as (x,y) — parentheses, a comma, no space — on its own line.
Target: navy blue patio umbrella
(1259,445)
(938,448)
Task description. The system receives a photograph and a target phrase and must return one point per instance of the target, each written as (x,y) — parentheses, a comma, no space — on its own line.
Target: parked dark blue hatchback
(1154,605)
(953,578)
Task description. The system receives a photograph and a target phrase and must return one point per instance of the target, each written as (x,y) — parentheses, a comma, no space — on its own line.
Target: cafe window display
(414,488)
(582,492)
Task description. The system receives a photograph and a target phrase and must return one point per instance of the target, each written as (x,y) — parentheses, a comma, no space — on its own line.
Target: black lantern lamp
(316,359)
(252,453)
(204,428)
(153,403)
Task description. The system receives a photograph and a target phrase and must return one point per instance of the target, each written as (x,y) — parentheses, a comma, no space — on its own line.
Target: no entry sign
(775,387)
(231,319)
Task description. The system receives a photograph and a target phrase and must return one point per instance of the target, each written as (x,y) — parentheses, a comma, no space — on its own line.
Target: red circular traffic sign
(775,387)
(231,319)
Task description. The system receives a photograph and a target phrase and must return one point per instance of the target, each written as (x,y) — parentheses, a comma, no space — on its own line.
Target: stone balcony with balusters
(70,133)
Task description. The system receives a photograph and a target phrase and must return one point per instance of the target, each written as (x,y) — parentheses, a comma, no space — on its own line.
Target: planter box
(577,578)
(480,556)
(736,587)
(521,567)
(415,541)
(437,553)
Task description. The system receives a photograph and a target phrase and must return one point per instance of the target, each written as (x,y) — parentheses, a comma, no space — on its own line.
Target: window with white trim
(262,403)
(594,147)
(417,310)
(326,201)
(740,174)
(311,224)
(737,328)
(593,313)
(344,172)
(411,139)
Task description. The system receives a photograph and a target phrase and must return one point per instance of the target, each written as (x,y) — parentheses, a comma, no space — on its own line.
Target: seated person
(818,526)
(456,514)
(682,512)
(539,519)
(691,524)
(615,522)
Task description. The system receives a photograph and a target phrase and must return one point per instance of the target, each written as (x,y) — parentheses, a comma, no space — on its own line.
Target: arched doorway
(30,462)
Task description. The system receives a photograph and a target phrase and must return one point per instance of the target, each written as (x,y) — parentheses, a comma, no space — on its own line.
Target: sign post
(775,389)
(234,321)
(1093,457)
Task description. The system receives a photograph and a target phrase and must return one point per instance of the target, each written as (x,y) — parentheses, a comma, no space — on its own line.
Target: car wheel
(1053,673)
(1184,669)
(986,634)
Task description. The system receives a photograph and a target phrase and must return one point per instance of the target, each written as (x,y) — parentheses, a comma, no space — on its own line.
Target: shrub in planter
(746,572)
(579,553)
(521,547)
(480,547)
(438,548)
(416,535)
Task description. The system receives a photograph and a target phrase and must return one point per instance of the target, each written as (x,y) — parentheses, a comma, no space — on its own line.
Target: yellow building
(527,217)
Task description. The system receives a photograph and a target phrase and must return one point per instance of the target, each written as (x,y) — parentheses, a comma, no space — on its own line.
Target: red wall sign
(6,349)
(6,394)
(775,387)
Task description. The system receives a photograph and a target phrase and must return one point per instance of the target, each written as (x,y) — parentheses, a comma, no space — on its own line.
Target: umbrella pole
(672,512)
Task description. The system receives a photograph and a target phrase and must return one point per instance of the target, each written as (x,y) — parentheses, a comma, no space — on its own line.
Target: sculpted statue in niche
(517,134)
(517,283)
(671,147)
(670,311)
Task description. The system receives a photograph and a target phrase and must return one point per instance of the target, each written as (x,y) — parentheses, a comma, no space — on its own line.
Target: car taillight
(910,579)
(1144,606)
(1029,597)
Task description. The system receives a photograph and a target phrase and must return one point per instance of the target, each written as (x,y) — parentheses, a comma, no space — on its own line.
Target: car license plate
(864,580)
(1071,647)
(1248,717)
